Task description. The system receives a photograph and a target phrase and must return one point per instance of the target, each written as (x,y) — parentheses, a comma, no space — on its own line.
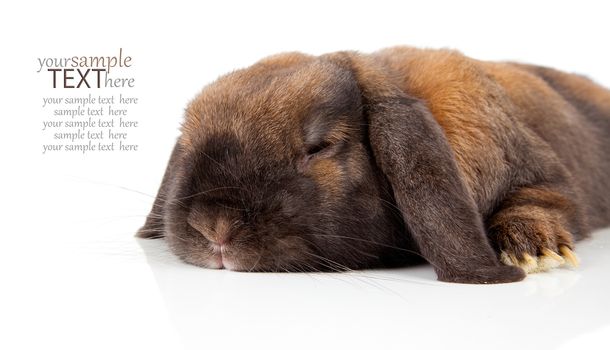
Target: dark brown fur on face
(345,161)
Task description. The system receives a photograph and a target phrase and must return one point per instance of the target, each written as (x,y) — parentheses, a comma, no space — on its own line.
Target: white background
(73,276)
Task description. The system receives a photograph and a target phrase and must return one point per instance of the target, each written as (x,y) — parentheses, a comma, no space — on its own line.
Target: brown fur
(494,112)
(350,161)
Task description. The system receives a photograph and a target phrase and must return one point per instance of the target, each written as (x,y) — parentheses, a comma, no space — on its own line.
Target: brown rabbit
(347,160)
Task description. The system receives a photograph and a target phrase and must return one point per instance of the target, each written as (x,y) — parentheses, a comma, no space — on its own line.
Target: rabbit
(486,170)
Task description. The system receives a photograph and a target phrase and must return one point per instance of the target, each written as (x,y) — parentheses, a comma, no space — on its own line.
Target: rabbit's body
(502,118)
(348,161)
(530,141)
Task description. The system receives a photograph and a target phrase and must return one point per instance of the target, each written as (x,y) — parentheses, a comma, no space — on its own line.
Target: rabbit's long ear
(154,227)
(410,148)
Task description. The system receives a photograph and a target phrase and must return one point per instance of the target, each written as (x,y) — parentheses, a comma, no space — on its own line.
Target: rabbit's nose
(220,233)
(217,233)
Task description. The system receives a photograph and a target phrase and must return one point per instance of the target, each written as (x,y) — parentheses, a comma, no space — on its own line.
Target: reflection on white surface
(76,278)
(389,308)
